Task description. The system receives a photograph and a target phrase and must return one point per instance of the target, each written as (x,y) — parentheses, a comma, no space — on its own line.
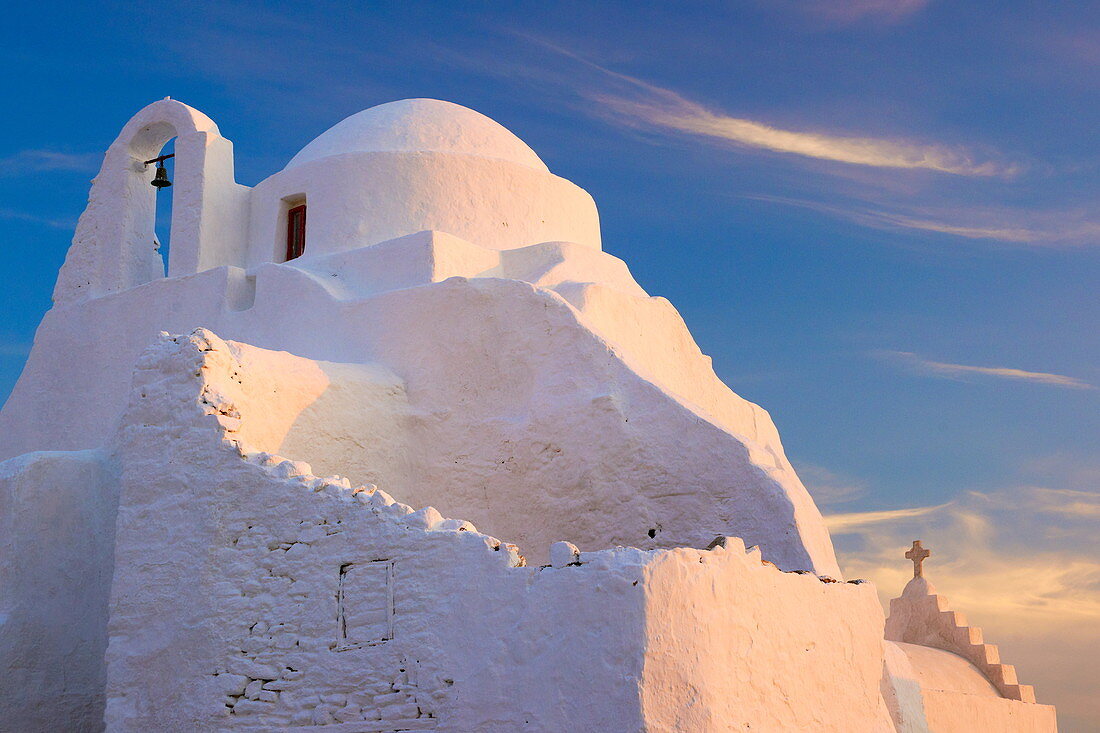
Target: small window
(295,232)
(364,605)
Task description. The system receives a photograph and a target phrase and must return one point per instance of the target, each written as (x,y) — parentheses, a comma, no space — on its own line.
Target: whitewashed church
(395,446)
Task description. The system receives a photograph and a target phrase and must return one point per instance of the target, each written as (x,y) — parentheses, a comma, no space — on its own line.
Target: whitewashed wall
(57,530)
(250,593)
(506,403)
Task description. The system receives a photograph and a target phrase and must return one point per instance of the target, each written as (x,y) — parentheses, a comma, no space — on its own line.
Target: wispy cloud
(36,161)
(1079,45)
(859,520)
(950,370)
(1067,231)
(828,487)
(1031,228)
(35,219)
(674,112)
(849,176)
(1017,533)
(14,348)
(1022,227)
(847,12)
(1069,502)
(641,104)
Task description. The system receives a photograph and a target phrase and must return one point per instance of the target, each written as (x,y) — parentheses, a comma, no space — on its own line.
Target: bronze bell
(160,180)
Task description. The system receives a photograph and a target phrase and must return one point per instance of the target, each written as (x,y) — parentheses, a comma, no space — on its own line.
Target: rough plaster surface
(361,199)
(505,402)
(420,126)
(453,631)
(755,647)
(114,248)
(952,712)
(519,365)
(935,691)
(920,616)
(461,339)
(56,543)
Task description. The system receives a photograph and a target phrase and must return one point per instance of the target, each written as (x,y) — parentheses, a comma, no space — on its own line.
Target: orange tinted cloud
(668,110)
(949,369)
(642,104)
(1023,563)
(855,521)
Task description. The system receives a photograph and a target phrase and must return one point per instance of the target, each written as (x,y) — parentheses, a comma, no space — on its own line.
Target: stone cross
(917,554)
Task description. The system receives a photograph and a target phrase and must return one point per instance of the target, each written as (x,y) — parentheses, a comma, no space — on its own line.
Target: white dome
(420,125)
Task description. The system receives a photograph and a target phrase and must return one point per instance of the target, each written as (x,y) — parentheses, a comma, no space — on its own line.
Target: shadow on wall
(343,419)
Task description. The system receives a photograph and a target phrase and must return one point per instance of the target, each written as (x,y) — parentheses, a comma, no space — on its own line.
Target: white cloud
(14,348)
(36,161)
(827,487)
(35,219)
(950,370)
(847,12)
(1033,228)
(1043,227)
(1003,233)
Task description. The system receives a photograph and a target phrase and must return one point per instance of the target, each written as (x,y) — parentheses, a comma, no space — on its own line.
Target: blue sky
(880,218)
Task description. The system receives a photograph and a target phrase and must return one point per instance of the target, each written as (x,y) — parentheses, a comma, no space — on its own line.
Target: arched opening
(162,214)
(150,220)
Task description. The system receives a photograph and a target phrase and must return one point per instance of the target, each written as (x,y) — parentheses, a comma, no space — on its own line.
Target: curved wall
(359,199)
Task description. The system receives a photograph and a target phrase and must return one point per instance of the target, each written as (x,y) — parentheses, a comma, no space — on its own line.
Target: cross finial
(917,554)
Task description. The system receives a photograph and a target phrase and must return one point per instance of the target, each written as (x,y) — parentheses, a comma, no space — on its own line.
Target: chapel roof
(420,125)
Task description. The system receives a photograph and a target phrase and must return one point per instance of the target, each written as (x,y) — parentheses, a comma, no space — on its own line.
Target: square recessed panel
(365,603)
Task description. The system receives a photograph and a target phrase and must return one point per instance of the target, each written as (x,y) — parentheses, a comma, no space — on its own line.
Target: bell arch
(113,248)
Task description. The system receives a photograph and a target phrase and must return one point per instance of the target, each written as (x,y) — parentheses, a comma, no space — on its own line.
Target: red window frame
(295,232)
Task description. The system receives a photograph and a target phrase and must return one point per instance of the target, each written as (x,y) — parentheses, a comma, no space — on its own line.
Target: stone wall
(251,594)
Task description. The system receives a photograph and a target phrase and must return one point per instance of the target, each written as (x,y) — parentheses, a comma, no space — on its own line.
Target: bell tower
(114,248)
